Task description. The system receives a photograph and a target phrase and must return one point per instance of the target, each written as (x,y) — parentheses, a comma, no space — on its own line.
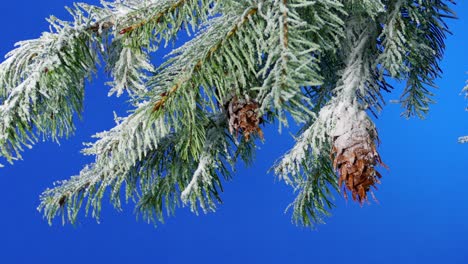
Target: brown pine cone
(243,117)
(355,155)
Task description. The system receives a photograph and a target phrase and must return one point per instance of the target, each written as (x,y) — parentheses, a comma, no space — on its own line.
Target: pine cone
(355,154)
(242,114)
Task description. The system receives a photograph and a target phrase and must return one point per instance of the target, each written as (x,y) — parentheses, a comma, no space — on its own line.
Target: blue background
(420,217)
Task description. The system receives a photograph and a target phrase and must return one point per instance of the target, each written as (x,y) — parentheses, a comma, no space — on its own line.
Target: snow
(338,118)
(200,174)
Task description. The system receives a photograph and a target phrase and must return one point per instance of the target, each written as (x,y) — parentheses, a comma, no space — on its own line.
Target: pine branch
(42,84)
(199,60)
(198,186)
(324,64)
(307,166)
(129,145)
(414,44)
(52,68)
(116,153)
(291,61)
(393,42)
(145,26)
(147,23)
(314,198)
(129,68)
(158,165)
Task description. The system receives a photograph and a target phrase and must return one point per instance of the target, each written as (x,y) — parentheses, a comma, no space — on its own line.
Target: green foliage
(414,41)
(304,59)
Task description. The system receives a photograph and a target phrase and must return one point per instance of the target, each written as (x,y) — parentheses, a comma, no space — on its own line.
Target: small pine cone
(355,155)
(243,117)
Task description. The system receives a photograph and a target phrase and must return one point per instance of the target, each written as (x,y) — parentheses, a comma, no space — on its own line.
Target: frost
(200,174)
(322,64)
(130,72)
(315,141)
(463,139)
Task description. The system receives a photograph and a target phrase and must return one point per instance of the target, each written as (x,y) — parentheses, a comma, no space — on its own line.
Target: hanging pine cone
(355,154)
(242,114)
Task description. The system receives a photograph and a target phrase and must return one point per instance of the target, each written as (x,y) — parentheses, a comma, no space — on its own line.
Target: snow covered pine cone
(242,114)
(355,155)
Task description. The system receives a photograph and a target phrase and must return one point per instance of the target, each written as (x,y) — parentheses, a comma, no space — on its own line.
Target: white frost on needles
(129,72)
(200,174)
(317,138)
(352,124)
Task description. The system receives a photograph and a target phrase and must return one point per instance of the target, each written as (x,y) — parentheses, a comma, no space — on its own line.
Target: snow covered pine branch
(322,64)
